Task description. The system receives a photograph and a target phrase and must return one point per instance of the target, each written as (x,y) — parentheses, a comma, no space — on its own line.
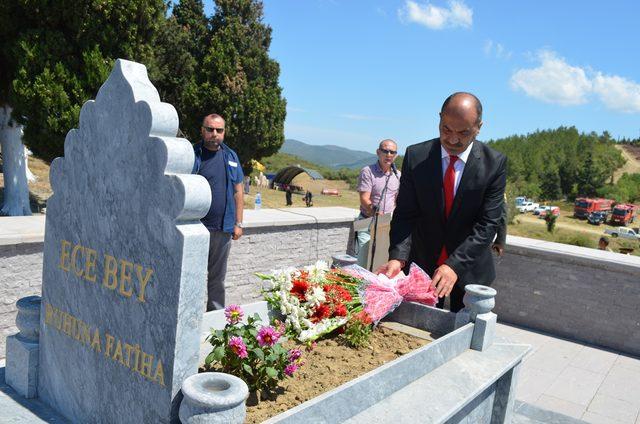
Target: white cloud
(457,14)
(617,93)
(496,49)
(554,81)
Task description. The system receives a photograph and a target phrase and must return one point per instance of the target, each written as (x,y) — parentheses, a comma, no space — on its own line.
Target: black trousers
(219,246)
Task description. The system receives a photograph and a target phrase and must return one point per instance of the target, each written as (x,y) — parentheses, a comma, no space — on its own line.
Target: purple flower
(233,313)
(267,336)
(290,369)
(294,355)
(238,347)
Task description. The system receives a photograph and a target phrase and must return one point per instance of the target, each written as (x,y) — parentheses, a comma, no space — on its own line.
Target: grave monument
(125,260)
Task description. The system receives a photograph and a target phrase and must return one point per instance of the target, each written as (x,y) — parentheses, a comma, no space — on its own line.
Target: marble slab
(125,259)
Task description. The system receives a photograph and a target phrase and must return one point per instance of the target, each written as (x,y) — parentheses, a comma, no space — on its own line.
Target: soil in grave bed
(331,364)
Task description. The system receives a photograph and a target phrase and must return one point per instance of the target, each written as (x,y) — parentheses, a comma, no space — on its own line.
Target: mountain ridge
(328,155)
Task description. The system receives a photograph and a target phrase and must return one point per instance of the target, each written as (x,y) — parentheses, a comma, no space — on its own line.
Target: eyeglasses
(388,152)
(211,129)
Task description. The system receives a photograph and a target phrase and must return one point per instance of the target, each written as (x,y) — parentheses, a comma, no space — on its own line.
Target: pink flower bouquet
(381,295)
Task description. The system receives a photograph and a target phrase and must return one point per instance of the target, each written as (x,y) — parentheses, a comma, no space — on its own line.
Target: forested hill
(558,163)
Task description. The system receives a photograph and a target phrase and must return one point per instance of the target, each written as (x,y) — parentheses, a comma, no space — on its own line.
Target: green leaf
(271,372)
(247,369)
(209,359)
(218,353)
(259,353)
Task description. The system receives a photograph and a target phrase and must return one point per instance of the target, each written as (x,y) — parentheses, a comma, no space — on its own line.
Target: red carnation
(299,289)
(340,311)
(321,312)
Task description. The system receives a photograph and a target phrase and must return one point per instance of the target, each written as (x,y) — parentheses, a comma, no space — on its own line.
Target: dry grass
(632,166)
(275,199)
(569,234)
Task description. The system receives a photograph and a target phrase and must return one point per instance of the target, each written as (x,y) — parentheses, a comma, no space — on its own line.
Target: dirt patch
(331,364)
(632,166)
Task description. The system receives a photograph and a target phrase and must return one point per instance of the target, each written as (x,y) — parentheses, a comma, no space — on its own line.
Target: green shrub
(581,240)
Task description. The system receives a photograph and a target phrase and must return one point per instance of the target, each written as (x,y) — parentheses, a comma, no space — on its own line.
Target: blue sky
(354,72)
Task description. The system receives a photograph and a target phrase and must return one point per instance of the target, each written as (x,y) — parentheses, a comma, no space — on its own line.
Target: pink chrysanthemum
(233,313)
(294,355)
(290,369)
(267,336)
(238,347)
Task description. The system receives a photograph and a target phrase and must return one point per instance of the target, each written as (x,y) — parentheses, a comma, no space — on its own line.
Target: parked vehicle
(623,232)
(623,214)
(528,207)
(554,210)
(585,205)
(520,200)
(597,218)
(540,209)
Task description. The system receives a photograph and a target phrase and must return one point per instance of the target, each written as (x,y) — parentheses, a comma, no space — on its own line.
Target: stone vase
(479,299)
(213,398)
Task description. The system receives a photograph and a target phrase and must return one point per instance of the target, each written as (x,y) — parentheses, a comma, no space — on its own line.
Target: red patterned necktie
(448,183)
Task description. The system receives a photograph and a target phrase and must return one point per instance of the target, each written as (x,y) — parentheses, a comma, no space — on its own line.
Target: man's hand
(391,268)
(498,248)
(443,280)
(370,210)
(237,232)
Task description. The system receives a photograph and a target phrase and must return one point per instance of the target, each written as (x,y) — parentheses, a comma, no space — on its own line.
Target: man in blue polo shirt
(220,166)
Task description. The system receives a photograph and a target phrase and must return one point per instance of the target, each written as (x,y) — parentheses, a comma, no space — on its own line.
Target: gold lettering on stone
(67,324)
(48,314)
(95,344)
(125,277)
(159,377)
(128,348)
(64,255)
(77,270)
(117,355)
(110,279)
(108,343)
(143,280)
(90,264)
(145,364)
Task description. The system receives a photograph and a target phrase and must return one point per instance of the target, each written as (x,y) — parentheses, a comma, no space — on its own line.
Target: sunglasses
(210,129)
(388,152)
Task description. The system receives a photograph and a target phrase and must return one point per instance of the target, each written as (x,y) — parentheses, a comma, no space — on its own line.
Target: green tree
(550,187)
(180,47)
(56,54)
(239,81)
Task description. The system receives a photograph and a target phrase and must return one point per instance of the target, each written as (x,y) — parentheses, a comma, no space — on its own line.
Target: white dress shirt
(458,166)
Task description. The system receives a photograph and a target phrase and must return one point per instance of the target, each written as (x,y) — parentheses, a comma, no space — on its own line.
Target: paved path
(576,380)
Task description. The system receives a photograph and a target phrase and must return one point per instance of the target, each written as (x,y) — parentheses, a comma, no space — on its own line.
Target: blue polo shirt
(222,170)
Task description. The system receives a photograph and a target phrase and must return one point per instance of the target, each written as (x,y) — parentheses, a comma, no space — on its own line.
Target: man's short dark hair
(604,240)
(477,100)
(214,116)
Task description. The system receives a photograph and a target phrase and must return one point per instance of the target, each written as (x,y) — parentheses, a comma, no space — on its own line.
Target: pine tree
(56,54)
(239,81)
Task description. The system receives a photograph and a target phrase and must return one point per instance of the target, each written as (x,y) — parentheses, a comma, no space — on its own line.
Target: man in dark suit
(450,204)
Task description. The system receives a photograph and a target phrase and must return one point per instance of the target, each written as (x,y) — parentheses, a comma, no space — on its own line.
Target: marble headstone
(125,260)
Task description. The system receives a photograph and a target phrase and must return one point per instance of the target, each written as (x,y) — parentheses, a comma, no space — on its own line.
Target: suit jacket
(419,228)
(501,232)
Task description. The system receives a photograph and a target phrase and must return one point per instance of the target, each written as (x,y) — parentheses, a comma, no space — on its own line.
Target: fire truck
(623,214)
(585,205)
